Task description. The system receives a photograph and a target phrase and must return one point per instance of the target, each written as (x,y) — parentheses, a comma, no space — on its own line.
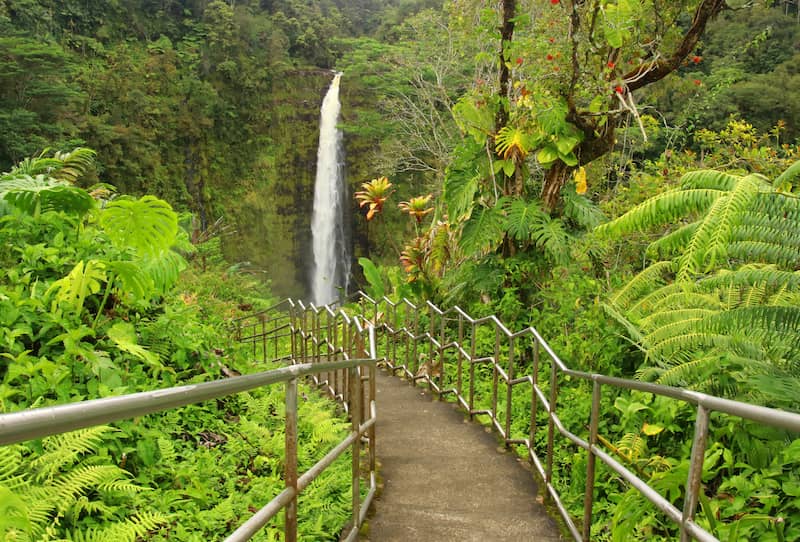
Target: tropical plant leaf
(35,195)
(85,279)
(373,276)
(483,231)
(523,218)
(147,225)
(123,335)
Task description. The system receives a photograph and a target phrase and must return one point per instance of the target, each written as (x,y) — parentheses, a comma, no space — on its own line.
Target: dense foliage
(500,137)
(89,308)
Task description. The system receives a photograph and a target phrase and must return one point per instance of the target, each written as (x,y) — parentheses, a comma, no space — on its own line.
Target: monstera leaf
(147,225)
(35,195)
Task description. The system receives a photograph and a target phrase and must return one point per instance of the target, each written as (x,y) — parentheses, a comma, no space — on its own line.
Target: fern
(734,299)
(128,530)
(62,485)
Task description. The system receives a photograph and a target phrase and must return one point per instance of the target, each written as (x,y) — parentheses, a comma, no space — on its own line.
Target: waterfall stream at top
(331,266)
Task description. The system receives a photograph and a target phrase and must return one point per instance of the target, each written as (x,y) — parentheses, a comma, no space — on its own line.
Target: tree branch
(650,72)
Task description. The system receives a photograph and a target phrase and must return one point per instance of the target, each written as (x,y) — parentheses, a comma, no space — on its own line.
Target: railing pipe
(290,460)
(588,498)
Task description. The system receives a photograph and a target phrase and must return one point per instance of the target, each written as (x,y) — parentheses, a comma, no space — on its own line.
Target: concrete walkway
(446,478)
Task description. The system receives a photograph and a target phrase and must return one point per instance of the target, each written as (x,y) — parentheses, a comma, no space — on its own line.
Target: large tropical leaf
(523,219)
(147,225)
(35,195)
(85,279)
(483,231)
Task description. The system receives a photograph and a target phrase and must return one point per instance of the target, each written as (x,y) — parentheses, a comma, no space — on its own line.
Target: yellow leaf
(580,181)
(651,429)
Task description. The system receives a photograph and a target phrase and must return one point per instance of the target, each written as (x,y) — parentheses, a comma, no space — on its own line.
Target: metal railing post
(551,421)
(495,372)
(695,470)
(290,461)
(588,498)
(460,366)
(534,395)
(509,390)
(355,416)
(472,373)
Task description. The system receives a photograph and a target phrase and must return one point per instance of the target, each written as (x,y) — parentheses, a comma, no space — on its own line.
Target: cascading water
(331,266)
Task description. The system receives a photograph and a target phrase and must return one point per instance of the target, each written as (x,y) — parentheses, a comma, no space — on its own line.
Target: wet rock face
(273,218)
(272,221)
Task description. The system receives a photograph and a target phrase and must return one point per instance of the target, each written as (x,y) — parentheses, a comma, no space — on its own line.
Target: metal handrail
(358,399)
(400,330)
(342,337)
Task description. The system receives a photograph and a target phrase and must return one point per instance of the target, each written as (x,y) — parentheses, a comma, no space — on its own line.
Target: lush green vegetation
(90,307)
(620,174)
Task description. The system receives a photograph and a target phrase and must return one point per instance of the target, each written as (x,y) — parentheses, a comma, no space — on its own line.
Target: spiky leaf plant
(720,311)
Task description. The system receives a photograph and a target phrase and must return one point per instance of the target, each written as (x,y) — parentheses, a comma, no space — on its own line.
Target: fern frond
(128,530)
(709,178)
(765,252)
(670,329)
(685,374)
(671,315)
(652,277)
(673,242)
(662,209)
(67,448)
(79,480)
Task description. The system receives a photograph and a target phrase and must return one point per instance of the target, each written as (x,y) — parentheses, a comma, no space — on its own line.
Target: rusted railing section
(322,338)
(354,386)
(452,337)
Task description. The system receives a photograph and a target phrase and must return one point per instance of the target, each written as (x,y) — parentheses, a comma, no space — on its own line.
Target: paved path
(447,479)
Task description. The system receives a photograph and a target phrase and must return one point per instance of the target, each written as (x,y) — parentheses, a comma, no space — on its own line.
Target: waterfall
(331,266)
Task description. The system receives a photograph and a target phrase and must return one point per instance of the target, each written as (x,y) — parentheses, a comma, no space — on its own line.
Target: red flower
(519,61)
(549,56)
(698,82)
(618,89)
(697,59)
(554,2)
(552,40)
(610,65)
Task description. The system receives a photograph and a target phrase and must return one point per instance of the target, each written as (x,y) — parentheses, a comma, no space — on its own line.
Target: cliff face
(272,214)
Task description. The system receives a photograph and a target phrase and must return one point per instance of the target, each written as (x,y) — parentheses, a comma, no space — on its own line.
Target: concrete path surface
(446,478)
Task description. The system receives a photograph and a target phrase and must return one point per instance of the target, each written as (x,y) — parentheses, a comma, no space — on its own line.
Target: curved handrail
(407,337)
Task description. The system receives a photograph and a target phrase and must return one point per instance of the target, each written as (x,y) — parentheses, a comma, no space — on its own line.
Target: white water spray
(331,267)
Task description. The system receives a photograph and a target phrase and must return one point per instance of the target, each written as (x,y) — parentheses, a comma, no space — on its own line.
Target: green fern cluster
(62,486)
(724,292)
